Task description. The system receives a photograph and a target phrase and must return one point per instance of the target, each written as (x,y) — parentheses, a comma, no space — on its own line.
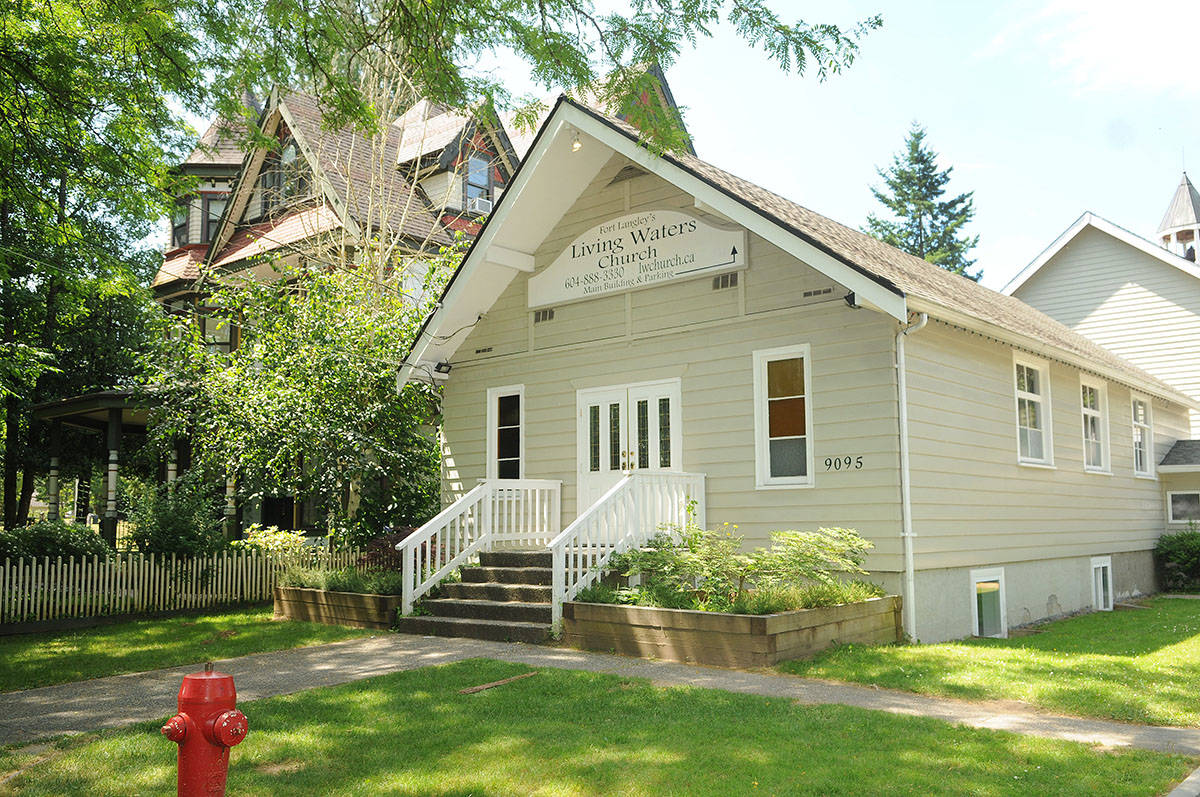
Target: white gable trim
(1103,225)
(867,292)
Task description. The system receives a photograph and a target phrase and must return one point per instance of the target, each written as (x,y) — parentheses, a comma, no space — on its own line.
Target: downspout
(908,588)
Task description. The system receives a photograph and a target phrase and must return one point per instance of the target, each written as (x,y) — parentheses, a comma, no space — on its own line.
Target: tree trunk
(48,336)
(12,440)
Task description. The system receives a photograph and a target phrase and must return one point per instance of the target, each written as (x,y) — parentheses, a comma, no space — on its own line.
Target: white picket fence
(50,589)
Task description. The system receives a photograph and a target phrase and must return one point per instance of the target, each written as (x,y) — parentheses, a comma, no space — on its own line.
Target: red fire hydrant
(206,726)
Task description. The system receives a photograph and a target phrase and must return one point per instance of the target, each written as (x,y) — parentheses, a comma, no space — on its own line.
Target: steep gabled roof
(1184,457)
(1184,210)
(1095,222)
(221,145)
(912,284)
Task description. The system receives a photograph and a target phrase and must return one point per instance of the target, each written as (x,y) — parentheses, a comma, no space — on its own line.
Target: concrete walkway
(123,699)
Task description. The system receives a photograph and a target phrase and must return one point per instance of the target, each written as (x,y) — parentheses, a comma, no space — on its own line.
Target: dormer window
(179,223)
(479,184)
(214,208)
(284,177)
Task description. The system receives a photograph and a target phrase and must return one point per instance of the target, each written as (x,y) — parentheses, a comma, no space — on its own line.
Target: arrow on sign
(732,254)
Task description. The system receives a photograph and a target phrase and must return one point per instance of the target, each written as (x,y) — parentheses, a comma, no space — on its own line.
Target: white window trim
(493,394)
(989,574)
(1043,369)
(762,458)
(1102,561)
(1101,387)
(1146,474)
(1170,509)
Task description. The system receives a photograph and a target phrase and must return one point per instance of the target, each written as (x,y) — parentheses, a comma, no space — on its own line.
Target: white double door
(624,428)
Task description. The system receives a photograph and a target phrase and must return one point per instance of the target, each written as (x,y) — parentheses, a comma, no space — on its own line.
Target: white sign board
(637,251)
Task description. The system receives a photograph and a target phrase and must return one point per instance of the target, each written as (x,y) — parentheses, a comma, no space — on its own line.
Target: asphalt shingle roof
(1184,452)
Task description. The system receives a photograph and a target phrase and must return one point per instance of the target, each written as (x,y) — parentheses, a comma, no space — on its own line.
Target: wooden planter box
(729,640)
(336,608)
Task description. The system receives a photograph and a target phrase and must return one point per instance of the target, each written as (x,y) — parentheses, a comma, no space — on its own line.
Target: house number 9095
(843,463)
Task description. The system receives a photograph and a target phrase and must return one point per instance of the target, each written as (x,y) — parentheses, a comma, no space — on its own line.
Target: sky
(1044,110)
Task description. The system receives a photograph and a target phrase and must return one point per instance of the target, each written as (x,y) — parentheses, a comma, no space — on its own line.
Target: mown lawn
(1139,665)
(577,733)
(30,660)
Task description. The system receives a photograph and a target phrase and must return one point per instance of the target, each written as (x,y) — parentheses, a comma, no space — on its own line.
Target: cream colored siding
(688,331)
(444,189)
(973,505)
(1178,483)
(1128,301)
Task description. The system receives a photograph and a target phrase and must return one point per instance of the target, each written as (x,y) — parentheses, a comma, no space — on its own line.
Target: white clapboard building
(631,331)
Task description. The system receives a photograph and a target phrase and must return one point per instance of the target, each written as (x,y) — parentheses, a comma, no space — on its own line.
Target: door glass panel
(508,436)
(643,433)
(987,606)
(594,438)
(664,433)
(614,437)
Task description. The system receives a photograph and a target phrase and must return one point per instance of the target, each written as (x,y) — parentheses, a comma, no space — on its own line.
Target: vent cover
(724,281)
(543,315)
(627,173)
(817,292)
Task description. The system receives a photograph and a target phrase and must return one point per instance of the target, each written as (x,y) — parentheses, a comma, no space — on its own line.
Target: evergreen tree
(925,225)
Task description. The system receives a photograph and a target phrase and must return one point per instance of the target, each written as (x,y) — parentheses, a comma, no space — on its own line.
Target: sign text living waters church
(637,251)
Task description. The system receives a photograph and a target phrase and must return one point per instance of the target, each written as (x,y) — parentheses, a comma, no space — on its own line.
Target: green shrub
(270,540)
(786,598)
(52,538)
(1178,559)
(707,570)
(182,518)
(377,582)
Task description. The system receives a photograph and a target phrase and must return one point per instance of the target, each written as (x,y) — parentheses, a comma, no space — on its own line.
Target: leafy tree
(924,224)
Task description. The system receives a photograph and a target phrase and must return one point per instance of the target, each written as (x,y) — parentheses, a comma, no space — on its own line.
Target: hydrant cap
(207,688)
(230,728)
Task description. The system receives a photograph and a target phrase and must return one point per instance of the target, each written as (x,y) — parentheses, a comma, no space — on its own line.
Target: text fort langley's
(612,257)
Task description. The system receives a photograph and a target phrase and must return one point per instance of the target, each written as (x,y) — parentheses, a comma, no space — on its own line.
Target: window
(783,417)
(506,432)
(179,223)
(1034,435)
(284,176)
(1102,596)
(478,182)
(214,207)
(1143,439)
(988,614)
(1093,402)
(1183,507)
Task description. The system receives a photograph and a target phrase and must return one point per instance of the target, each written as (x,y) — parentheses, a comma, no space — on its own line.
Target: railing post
(485,531)
(406,603)
(559,588)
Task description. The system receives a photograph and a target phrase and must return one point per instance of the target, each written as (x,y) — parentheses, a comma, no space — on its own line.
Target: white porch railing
(629,514)
(504,511)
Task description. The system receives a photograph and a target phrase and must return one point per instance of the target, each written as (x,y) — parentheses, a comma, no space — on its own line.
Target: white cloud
(1107,46)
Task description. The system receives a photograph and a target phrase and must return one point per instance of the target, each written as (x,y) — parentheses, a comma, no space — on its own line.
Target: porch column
(52,489)
(108,524)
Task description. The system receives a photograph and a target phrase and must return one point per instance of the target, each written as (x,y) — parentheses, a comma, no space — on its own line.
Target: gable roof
(889,280)
(358,189)
(1184,457)
(1184,210)
(1089,219)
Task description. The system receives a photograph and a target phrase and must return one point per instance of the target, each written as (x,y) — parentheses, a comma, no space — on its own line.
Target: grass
(30,660)
(577,733)
(1136,666)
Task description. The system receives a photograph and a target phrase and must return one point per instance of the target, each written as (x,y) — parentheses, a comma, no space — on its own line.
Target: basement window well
(987,603)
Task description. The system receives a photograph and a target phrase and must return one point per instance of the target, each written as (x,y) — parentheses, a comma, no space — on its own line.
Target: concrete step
(495,630)
(530,593)
(508,575)
(513,611)
(539,558)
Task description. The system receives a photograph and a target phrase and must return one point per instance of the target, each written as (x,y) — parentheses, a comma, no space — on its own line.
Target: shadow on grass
(33,660)
(566,732)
